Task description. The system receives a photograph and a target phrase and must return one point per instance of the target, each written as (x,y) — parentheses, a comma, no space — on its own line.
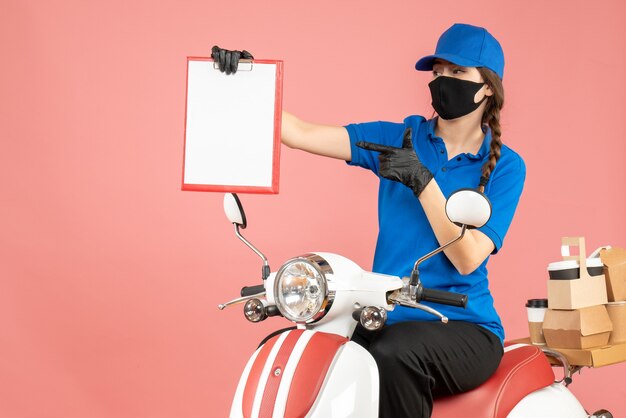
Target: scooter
(313,370)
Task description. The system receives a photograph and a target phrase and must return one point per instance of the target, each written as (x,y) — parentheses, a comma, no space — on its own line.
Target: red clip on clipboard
(232,127)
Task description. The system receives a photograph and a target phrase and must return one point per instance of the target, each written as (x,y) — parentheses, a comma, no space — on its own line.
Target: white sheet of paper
(229,136)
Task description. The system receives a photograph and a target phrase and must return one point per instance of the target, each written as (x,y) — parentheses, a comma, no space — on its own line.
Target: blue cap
(468,46)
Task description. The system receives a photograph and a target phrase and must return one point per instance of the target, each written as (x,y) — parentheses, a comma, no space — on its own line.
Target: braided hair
(491,118)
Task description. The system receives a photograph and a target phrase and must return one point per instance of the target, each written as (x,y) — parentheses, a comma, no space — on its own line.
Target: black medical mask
(453,97)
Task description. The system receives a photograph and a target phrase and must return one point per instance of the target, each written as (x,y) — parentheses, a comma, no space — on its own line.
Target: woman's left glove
(401,164)
(228,60)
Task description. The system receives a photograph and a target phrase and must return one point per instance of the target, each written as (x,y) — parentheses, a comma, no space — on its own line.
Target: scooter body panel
(351,386)
(554,401)
(308,373)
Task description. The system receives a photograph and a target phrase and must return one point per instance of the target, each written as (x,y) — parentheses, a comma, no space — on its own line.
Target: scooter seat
(523,369)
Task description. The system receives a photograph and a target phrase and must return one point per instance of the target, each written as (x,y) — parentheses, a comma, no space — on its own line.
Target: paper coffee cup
(570,270)
(536,309)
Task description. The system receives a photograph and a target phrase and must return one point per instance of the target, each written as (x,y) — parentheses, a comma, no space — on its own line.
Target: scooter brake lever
(403,299)
(243,299)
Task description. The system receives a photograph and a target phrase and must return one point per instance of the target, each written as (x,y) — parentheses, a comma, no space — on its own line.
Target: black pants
(419,361)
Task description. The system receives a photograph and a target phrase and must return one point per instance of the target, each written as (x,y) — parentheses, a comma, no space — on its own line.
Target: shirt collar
(431,128)
(484,148)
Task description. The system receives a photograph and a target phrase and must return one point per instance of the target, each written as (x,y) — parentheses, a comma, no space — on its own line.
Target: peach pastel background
(110,275)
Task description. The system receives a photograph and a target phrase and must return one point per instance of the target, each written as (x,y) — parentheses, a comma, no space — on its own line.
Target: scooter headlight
(301,288)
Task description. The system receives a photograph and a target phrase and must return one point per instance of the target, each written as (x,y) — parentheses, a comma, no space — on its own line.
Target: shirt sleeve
(504,192)
(384,133)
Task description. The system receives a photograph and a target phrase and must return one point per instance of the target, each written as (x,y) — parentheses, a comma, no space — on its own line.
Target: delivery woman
(420,162)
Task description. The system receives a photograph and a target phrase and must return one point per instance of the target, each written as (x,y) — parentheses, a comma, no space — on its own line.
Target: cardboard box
(576,294)
(595,357)
(580,328)
(614,260)
(591,357)
(617,313)
(583,292)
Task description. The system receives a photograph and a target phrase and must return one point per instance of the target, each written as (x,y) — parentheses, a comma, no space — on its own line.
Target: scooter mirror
(234,210)
(468,207)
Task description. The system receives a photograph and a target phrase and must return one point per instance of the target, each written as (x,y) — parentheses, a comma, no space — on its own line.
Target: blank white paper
(229,136)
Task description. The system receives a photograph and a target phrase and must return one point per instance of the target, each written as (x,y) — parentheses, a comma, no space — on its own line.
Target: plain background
(110,275)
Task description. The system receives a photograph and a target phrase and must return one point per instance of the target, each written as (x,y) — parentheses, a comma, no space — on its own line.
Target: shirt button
(458,158)
(444,169)
(442,151)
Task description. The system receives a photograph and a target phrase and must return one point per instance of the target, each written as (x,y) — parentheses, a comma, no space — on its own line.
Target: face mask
(453,97)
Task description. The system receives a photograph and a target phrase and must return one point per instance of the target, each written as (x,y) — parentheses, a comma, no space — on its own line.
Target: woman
(420,162)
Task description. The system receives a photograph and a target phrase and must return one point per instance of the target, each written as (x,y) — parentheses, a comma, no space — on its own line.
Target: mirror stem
(265,272)
(415,273)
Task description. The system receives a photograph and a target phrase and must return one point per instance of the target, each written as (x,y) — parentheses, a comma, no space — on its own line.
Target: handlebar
(443,297)
(252,290)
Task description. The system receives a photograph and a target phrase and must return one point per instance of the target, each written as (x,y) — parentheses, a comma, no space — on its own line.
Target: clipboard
(232,127)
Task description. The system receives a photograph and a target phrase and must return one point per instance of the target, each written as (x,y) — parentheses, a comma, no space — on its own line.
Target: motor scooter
(313,370)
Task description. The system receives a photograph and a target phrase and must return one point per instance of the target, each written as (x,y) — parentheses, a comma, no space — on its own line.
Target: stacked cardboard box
(614,260)
(577,317)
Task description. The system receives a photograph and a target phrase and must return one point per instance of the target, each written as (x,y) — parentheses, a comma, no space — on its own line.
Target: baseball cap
(468,46)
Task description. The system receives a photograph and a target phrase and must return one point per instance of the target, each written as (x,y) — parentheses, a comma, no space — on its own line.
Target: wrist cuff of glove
(422,178)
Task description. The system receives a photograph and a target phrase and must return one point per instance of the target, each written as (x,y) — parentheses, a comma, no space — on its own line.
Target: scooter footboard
(307,373)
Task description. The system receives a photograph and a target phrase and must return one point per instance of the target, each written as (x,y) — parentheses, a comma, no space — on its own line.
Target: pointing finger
(374,147)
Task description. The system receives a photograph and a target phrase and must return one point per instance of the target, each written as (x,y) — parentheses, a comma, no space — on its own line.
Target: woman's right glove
(401,164)
(228,60)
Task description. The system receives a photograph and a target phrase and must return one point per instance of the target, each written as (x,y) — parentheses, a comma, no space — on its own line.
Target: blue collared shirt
(404,231)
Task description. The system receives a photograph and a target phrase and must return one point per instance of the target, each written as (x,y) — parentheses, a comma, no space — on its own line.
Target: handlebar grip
(252,290)
(443,297)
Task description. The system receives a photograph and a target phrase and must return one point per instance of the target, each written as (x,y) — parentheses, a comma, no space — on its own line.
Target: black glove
(229,60)
(401,164)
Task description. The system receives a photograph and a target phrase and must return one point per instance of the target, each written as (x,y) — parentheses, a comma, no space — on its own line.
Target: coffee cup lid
(537,303)
(573,264)
(563,265)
